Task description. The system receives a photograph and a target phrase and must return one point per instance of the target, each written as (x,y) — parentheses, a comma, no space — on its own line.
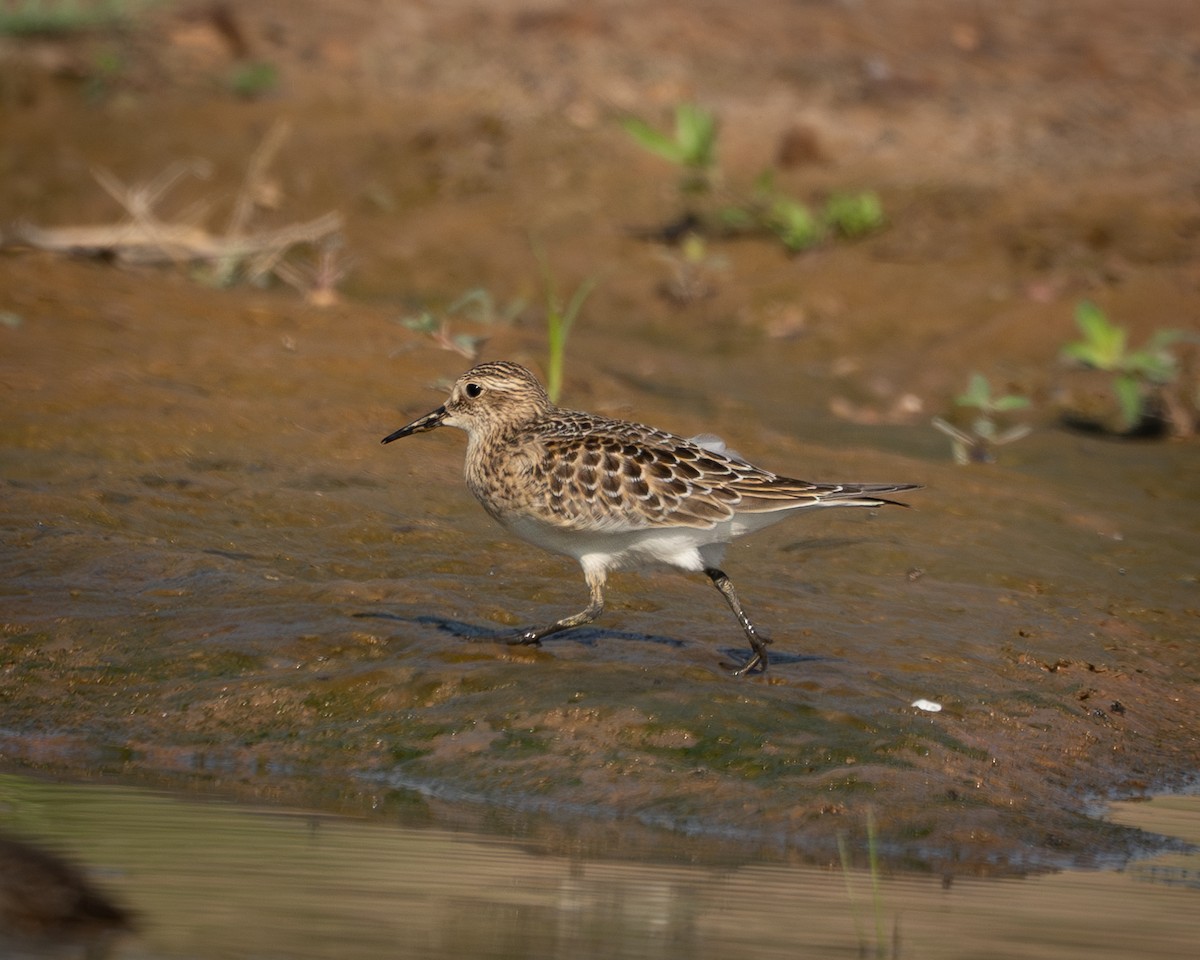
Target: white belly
(688,548)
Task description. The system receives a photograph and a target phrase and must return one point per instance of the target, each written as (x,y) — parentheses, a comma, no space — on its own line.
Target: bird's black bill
(431,421)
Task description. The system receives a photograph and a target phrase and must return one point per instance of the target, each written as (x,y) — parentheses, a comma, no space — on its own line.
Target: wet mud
(213,573)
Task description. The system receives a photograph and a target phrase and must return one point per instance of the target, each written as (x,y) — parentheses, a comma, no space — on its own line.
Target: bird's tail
(784,493)
(860,494)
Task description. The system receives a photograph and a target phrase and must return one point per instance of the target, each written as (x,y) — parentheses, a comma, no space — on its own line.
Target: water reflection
(49,907)
(217,880)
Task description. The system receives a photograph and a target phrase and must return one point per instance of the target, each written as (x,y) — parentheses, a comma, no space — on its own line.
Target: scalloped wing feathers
(606,474)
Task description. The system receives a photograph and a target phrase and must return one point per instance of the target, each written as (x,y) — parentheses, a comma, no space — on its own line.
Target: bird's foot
(530,637)
(758,656)
(749,666)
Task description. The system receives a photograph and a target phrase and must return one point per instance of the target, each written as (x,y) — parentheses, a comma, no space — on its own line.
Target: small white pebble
(929,705)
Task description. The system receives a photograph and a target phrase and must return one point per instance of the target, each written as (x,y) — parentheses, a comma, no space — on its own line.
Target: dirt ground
(213,571)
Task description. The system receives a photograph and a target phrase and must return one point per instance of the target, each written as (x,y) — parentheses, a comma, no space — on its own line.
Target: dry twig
(144,238)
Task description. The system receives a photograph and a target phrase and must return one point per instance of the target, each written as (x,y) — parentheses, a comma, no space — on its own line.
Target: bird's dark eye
(473,390)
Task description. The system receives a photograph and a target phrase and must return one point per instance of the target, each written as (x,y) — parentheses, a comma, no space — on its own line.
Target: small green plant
(978,446)
(1138,375)
(438,329)
(692,146)
(560,318)
(854,215)
(475,305)
(254,79)
(795,224)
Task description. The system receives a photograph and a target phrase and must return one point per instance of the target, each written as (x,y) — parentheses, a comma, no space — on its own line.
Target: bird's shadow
(587,636)
(477,633)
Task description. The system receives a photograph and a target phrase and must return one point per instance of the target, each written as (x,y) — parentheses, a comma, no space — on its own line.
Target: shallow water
(224,880)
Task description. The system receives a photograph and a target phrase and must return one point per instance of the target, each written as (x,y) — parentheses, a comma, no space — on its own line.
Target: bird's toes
(757,663)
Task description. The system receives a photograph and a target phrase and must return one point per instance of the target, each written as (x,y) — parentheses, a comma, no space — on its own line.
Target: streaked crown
(495,395)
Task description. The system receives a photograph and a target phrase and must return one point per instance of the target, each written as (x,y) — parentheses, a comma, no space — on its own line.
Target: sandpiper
(612,493)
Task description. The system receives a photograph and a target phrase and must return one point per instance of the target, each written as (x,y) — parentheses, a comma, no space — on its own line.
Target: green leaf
(1155,361)
(1129,396)
(854,214)
(1156,366)
(1081,352)
(978,393)
(1163,339)
(693,146)
(582,292)
(559,321)
(468,345)
(254,79)
(696,135)
(795,225)
(1103,345)
(480,299)
(653,140)
(1010,402)
(424,322)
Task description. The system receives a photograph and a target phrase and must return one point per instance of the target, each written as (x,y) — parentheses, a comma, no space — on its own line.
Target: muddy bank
(211,569)
(243,586)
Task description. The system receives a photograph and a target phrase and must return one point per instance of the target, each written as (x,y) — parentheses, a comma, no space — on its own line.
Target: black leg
(758,644)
